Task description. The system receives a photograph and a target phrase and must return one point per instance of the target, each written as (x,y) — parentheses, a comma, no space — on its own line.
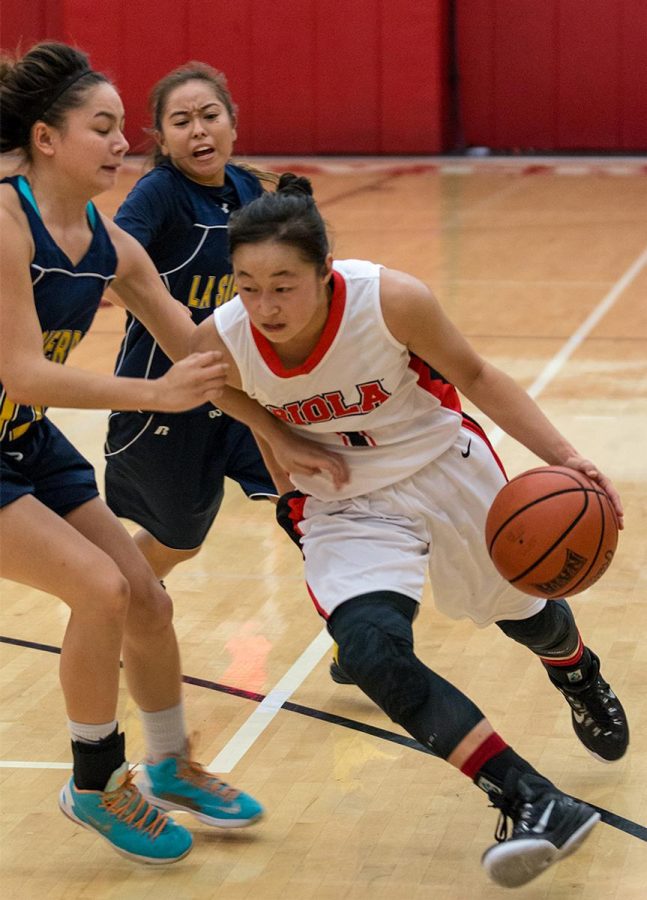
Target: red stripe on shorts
(472,425)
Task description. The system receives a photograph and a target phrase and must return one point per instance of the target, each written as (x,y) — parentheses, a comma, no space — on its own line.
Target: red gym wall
(309,76)
(373,76)
(553,74)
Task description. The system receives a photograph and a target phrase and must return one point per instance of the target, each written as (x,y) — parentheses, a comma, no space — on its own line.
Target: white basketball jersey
(360,392)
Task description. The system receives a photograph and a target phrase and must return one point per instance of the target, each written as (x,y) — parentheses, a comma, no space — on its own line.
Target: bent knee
(151,608)
(376,651)
(106,596)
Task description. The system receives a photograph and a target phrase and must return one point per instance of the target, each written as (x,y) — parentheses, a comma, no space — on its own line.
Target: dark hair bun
(294,184)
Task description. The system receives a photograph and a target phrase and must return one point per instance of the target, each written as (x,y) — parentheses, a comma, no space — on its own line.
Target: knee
(376,650)
(551,626)
(108,598)
(150,609)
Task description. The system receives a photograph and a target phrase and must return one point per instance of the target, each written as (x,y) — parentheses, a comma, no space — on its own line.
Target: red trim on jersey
(329,333)
(569,661)
(443,390)
(322,612)
(491,746)
(473,426)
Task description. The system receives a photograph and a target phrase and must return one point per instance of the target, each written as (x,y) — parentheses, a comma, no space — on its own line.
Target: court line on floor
(627,826)
(278,697)
(580,334)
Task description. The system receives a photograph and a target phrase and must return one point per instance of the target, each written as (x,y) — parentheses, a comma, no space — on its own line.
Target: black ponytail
(49,80)
(287,216)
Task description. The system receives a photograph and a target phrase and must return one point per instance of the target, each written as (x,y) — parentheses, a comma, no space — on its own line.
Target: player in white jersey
(340,355)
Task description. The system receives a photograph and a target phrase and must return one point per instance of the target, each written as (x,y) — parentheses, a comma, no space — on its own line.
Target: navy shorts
(42,462)
(166,471)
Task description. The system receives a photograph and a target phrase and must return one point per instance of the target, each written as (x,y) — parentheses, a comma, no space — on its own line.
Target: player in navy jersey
(166,472)
(346,355)
(58,254)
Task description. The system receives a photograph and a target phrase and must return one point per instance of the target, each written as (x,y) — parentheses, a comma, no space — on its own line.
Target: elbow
(19,394)
(20,387)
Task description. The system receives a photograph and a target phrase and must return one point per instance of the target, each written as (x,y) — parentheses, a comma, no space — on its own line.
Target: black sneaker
(336,672)
(597,715)
(547,826)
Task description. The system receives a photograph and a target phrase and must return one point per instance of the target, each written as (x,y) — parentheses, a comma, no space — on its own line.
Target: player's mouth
(274,328)
(203,153)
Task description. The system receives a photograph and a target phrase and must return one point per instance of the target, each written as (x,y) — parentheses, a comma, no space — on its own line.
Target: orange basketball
(551,532)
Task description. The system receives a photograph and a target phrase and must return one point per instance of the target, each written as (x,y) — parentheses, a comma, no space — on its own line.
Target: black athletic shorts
(44,463)
(166,471)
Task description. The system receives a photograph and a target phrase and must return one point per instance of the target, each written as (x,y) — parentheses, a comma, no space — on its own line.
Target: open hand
(592,472)
(297,455)
(191,382)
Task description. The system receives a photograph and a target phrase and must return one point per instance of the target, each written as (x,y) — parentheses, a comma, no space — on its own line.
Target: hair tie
(52,96)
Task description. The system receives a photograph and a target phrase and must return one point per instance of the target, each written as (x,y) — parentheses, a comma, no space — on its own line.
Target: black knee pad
(376,650)
(552,631)
(375,639)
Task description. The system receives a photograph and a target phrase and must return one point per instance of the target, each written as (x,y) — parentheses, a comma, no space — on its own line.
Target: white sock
(164,732)
(90,734)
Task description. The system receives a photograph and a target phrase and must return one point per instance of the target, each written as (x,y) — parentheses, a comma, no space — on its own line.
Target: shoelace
(199,776)
(502,831)
(128,805)
(594,702)
(195,772)
(519,817)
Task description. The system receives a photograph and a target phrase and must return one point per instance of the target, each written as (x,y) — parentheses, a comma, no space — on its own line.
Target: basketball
(551,532)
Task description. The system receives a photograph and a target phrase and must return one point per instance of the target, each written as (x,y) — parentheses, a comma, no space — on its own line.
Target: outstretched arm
(417,320)
(29,378)
(140,289)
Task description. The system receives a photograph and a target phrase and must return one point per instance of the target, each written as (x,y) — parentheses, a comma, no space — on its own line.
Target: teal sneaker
(126,820)
(182,784)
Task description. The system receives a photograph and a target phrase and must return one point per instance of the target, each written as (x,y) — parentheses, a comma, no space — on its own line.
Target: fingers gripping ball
(551,532)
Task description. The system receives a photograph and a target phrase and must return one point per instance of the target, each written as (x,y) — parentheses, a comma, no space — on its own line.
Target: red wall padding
(313,76)
(370,76)
(553,74)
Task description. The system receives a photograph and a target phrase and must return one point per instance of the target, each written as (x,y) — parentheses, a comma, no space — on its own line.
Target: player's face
(286,296)
(197,132)
(90,146)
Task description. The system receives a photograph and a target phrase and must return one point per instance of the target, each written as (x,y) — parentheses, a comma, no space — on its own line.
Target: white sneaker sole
(513,863)
(66,805)
(215,822)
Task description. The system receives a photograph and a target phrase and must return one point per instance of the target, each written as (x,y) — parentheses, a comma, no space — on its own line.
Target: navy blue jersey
(66,296)
(183,227)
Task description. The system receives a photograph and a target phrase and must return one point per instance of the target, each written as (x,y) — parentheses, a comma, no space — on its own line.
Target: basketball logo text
(573,564)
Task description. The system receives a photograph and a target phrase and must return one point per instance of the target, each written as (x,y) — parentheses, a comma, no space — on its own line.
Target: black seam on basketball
(603,529)
(550,471)
(555,544)
(521,509)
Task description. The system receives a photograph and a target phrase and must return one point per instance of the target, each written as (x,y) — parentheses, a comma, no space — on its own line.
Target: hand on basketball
(592,472)
(194,380)
(297,455)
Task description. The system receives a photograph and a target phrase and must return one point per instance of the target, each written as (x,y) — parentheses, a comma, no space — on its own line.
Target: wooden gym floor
(544,266)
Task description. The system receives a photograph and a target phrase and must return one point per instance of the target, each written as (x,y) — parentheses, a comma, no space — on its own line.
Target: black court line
(626,825)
